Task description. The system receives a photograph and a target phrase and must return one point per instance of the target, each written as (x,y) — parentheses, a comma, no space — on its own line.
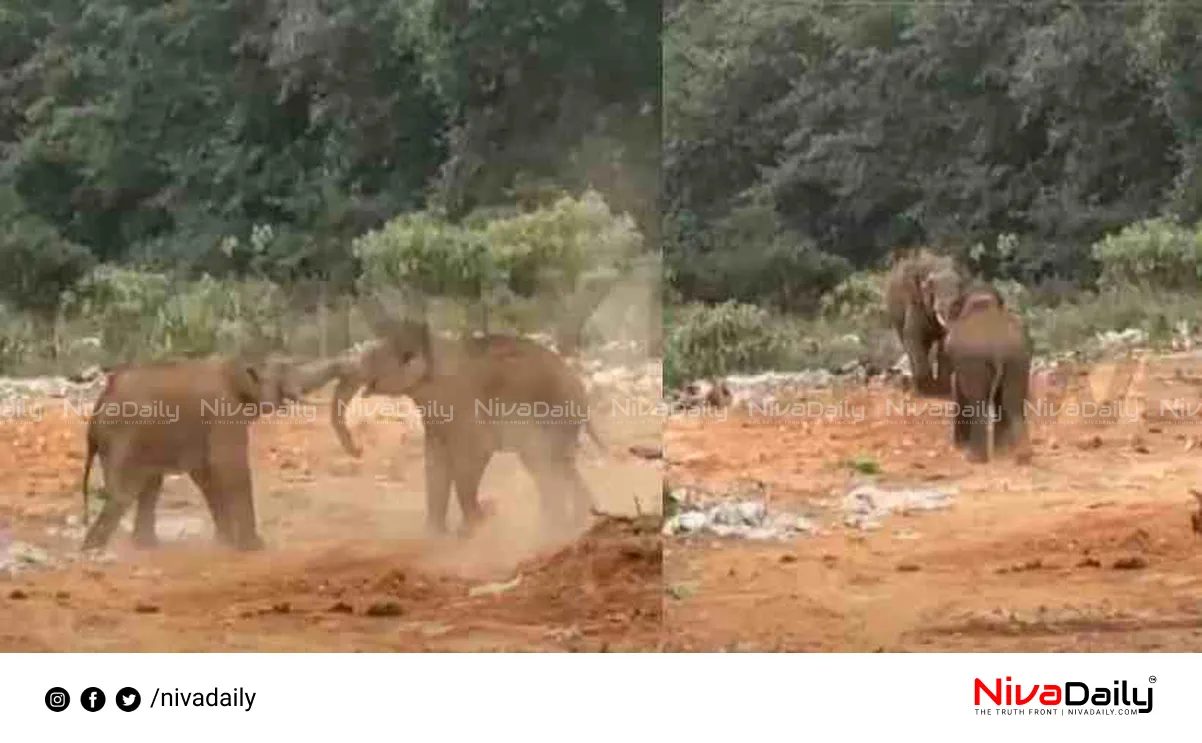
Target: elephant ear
(405,338)
(246,381)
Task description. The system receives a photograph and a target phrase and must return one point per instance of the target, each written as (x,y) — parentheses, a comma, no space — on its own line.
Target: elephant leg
(942,385)
(438,484)
(237,487)
(918,348)
(468,470)
(217,506)
(231,489)
(565,498)
(123,485)
(582,501)
(144,521)
(1011,431)
(554,488)
(973,381)
(961,424)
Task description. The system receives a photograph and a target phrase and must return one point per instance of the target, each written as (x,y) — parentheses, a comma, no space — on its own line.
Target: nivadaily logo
(1070,698)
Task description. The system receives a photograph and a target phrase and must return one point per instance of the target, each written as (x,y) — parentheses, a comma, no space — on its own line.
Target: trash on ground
(866,506)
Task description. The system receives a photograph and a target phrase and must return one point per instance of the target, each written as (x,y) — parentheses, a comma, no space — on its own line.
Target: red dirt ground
(1024,561)
(343,536)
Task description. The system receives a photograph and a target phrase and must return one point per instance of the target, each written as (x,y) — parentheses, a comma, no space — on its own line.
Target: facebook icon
(92,699)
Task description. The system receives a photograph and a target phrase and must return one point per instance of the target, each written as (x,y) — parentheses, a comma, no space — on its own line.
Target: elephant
(190,416)
(920,288)
(990,353)
(478,396)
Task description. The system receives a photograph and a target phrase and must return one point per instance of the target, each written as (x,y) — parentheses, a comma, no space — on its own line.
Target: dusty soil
(347,567)
(1089,547)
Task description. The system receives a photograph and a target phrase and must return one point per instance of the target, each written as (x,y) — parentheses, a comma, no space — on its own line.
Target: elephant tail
(348,386)
(93,445)
(89,455)
(592,433)
(999,370)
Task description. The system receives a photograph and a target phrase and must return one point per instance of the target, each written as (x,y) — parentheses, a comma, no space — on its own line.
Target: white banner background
(570,697)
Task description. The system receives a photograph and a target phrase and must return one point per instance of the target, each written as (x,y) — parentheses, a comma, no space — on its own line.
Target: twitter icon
(128,699)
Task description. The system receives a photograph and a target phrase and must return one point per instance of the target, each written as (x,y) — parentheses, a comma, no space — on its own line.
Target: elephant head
(266,384)
(941,291)
(401,358)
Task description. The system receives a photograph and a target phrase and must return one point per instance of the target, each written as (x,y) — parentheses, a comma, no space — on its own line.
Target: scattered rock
(494,589)
(385,608)
(1090,562)
(1134,562)
(1035,564)
(434,629)
(679,592)
(908,567)
(1092,442)
(143,608)
(788,558)
(17,595)
(342,608)
(1138,540)
(647,452)
(282,608)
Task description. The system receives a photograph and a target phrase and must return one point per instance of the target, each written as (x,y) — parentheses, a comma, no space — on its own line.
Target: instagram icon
(57,699)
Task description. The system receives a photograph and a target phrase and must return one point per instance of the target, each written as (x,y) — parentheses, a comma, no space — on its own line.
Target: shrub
(705,340)
(1153,254)
(483,258)
(145,315)
(39,264)
(860,297)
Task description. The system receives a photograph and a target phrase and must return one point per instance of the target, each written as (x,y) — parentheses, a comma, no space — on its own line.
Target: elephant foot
(467,530)
(97,538)
(976,457)
(436,531)
(250,543)
(146,541)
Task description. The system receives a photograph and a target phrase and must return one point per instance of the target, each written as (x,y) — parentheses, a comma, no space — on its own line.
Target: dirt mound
(610,578)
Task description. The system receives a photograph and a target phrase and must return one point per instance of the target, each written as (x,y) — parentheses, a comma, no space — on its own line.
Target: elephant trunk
(350,376)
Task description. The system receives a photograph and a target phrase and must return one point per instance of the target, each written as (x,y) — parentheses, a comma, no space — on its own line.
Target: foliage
(1037,127)
(138,314)
(720,339)
(548,250)
(169,133)
(1154,254)
(860,298)
(40,266)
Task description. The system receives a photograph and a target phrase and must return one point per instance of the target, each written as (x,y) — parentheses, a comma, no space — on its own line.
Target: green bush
(1153,254)
(1074,325)
(39,264)
(488,256)
(555,246)
(144,315)
(710,340)
(860,297)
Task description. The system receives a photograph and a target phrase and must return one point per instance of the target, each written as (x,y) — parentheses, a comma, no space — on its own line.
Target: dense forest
(806,140)
(257,139)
